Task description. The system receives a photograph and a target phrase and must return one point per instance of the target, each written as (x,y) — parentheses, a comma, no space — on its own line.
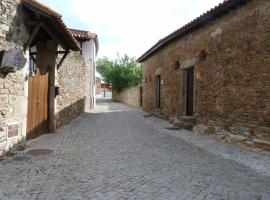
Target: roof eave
(36,6)
(211,15)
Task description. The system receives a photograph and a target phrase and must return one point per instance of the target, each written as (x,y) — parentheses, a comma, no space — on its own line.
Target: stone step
(262,144)
(185,122)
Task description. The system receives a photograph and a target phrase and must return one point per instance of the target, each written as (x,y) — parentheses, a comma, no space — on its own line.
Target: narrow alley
(118,152)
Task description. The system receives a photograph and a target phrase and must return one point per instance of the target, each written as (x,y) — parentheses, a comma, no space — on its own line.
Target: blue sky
(129,26)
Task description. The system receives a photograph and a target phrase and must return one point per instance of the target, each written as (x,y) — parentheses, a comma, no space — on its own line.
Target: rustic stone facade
(28,103)
(232,90)
(73,79)
(13,85)
(131,96)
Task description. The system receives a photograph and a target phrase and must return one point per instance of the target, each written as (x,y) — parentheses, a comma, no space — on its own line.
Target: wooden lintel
(32,36)
(58,52)
(47,29)
(62,59)
(61,52)
(32,23)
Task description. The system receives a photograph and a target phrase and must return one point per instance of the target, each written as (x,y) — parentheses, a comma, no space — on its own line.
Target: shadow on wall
(71,112)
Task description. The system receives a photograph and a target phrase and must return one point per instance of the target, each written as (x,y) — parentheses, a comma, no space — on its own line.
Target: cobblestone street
(115,153)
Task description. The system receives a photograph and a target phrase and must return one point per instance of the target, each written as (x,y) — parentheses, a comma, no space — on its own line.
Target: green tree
(121,73)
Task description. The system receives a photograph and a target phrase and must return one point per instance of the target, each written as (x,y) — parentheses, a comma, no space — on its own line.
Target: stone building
(76,78)
(34,43)
(214,72)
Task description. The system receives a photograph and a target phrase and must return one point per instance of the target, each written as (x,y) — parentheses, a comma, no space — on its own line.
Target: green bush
(121,73)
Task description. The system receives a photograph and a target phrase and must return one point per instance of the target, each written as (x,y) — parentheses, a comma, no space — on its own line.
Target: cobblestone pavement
(116,153)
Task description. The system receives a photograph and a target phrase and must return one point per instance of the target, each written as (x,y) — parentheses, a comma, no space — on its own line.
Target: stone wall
(232,85)
(13,85)
(130,96)
(73,79)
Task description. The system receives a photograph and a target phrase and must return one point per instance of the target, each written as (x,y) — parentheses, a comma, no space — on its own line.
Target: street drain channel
(146,116)
(21,158)
(40,152)
(172,128)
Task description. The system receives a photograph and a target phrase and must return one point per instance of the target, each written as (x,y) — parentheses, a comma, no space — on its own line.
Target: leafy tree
(121,73)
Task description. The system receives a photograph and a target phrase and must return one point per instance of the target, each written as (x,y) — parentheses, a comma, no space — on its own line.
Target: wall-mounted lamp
(202,55)
(177,65)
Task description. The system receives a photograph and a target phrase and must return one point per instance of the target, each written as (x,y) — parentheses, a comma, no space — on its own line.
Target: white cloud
(132,27)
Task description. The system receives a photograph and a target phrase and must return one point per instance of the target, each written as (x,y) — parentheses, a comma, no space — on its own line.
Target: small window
(177,65)
(1,57)
(32,62)
(202,55)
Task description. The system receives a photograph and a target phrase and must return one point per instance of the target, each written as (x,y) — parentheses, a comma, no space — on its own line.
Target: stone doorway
(190,91)
(157,91)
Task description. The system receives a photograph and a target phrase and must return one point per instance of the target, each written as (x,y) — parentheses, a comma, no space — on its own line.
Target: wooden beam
(62,59)
(61,52)
(58,52)
(47,29)
(32,22)
(32,36)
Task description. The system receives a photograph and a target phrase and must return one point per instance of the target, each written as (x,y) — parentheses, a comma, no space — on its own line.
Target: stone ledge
(227,137)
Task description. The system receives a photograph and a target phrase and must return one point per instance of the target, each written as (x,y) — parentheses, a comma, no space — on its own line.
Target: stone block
(262,144)
(20,106)
(210,130)
(13,60)
(187,126)
(3,146)
(231,138)
(171,119)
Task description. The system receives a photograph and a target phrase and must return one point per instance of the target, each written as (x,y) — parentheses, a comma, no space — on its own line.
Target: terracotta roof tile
(203,19)
(68,37)
(84,35)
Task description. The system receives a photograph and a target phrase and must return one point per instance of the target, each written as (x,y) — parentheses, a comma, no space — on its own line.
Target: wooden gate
(38,93)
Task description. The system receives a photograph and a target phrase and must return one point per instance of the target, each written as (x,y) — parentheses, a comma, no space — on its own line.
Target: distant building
(103,90)
(98,86)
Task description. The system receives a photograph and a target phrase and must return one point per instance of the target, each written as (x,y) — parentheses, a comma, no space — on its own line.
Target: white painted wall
(89,53)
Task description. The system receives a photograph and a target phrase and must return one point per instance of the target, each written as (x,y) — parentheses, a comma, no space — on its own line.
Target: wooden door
(190,91)
(38,92)
(141,96)
(157,88)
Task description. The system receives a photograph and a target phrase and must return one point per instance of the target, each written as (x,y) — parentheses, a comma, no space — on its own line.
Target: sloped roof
(82,35)
(55,23)
(205,18)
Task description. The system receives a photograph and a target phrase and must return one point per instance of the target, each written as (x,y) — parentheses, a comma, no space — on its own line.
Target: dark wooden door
(190,91)
(38,92)
(141,96)
(157,88)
